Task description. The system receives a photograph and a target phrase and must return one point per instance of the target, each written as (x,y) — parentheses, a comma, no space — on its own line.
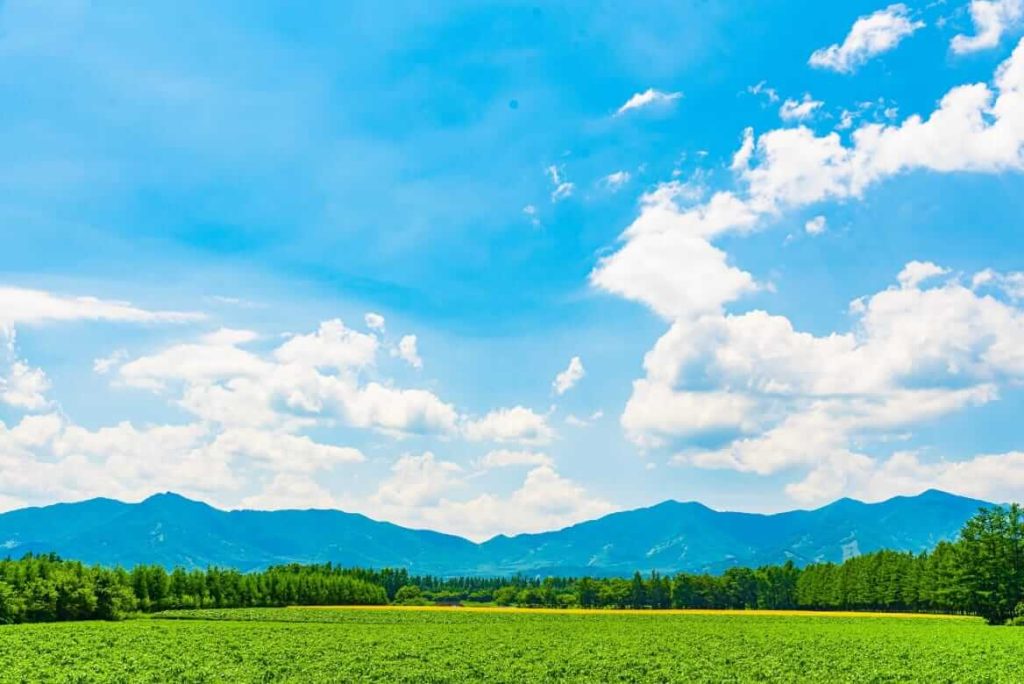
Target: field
(469,645)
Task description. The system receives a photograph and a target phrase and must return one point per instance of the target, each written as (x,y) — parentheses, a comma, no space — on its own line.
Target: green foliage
(982,573)
(990,555)
(410,595)
(471,645)
(47,589)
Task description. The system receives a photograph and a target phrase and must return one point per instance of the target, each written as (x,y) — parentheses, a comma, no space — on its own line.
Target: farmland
(470,644)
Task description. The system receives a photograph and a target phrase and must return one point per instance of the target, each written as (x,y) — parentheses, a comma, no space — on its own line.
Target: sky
(492,268)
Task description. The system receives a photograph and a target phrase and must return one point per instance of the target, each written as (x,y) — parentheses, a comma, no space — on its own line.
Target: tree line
(981,573)
(45,588)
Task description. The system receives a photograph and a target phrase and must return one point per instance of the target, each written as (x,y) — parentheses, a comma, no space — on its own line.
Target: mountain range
(672,536)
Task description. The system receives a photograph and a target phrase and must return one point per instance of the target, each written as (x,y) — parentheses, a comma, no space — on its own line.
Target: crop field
(471,645)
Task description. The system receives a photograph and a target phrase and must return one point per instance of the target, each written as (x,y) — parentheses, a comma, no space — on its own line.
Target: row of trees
(45,588)
(982,573)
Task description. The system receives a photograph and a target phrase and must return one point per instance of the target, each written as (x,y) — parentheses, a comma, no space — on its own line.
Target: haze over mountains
(171,530)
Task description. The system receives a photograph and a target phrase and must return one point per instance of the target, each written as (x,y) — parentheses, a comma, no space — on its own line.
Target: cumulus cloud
(648,98)
(976,128)
(418,481)
(992,19)
(766,398)
(646,268)
(22,306)
(869,36)
(24,387)
(568,378)
(917,272)
(291,491)
(332,346)
(1010,284)
(917,352)
(44,459)
(406,350)
(420,495)
(374,321)
(799,110)
(306,379)
(516,424)
(816,225)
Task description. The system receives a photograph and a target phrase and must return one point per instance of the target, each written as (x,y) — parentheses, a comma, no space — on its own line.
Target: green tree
(990,553)
(409,594)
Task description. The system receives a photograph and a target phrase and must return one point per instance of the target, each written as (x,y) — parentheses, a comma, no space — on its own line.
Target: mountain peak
(173,500)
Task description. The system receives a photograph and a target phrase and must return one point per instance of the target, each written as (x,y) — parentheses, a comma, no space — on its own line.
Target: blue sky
(782,239)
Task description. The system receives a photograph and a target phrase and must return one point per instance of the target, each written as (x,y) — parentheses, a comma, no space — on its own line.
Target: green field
(468,645)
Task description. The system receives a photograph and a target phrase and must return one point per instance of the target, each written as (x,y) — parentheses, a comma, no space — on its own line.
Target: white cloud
(291,491)
(195,363)
(283,452)
(648,98)
(21,306)
(418,481)
(398,411)
(975,128)
(741,160)
(568,378)
(374,321)
(332,346)
(44,459)
(991,477)
(770,94)
(768,397)
(992,19)
(308,378)
(505,458)
(615,181)
(917,272)
(656,413)
(563,188)
(24,387)
(1011,284)
(517,424)
(105,364)
(544,501)
(407,351)
(647,267)
(916,353)
(816,225)
(799,110)
(869,36)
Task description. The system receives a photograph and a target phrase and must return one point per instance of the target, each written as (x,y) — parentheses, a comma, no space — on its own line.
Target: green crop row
(344,645)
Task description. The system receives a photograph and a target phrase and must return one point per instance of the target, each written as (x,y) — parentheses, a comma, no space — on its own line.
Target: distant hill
(672,536)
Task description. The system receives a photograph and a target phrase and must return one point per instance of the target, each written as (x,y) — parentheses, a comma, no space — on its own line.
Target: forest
(980,573)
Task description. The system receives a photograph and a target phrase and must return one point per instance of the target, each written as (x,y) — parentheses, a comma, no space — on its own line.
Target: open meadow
(479,644)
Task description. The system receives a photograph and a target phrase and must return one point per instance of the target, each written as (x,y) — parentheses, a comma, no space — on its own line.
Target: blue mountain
(672,536)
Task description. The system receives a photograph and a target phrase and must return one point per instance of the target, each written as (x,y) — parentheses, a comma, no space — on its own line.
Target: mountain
(672,536)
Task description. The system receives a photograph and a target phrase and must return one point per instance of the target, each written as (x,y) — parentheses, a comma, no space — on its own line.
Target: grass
(503,645)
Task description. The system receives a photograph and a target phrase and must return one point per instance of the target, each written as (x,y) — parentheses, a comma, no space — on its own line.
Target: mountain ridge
(670,536)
